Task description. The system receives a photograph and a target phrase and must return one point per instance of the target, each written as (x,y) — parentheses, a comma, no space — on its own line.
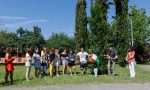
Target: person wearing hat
(9,66)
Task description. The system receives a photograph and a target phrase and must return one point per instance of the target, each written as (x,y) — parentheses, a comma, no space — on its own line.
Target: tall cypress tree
(99,29)
(122,28)
(81,33)
(99,25)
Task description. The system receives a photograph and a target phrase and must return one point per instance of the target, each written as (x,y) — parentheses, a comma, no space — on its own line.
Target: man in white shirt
(83,60)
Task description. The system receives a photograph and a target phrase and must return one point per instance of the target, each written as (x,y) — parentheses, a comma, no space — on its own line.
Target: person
(37,64)
(64,56)
(131,60)
(112,56)
(57,58)
(9,68)
(83,60)
(28,63)
(44,61)
(72,62)
(51,60)
(94,59)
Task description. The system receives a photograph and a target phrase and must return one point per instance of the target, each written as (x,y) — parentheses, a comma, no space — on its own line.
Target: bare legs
(37,73)
(64,68)
(11,77)
(57,70)
(73,69)
(28,73)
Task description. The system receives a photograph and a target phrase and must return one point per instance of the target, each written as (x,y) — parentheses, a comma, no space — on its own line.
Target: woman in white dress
(28,64)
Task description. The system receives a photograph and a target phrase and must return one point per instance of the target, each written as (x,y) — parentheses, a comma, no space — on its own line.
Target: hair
(35,50)
(8,50)
(131,47)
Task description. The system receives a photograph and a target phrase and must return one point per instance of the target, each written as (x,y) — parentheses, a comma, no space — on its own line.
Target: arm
(131,56)
(7,59)
(28,58)
(126,57)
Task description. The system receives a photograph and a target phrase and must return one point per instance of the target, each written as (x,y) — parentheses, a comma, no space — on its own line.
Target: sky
(50,15)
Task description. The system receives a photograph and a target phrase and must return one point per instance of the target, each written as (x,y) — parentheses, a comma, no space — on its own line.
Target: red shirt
(131,59)
(9,64)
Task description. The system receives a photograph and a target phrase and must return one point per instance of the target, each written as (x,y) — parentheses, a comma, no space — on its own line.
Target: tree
(81,33)
(8,39)
(60,41)
(99,28)
(141,30)
(122,27)
(38,39)
(28,38)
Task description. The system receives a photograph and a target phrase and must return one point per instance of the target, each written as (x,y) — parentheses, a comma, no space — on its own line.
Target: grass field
(122,77)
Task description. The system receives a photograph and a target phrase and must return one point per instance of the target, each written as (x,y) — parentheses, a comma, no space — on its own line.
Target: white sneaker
(57,75)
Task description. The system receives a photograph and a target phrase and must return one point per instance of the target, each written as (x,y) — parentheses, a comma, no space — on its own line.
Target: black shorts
(83,66)
(72,63)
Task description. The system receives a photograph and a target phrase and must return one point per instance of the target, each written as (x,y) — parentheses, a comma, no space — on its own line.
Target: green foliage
(60,41)
(7,39)
(81,33)
(141,30)
(22,39)
(122,27)
(99,28)
(28,38)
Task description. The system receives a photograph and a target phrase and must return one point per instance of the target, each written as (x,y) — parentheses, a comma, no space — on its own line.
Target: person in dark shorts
(83,60)
(64,57)
(72,62)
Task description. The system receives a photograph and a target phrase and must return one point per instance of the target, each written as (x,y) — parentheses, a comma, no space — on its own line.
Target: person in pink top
(131,60)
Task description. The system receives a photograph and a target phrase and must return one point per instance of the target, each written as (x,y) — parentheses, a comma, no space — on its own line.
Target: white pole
(131,32)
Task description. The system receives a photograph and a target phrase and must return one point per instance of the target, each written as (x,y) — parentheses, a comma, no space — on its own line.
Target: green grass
(122,77)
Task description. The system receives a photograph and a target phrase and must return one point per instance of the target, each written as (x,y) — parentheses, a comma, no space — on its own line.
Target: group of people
(53,58)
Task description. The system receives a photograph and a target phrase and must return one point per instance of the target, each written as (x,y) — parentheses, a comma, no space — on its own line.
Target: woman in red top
(9,66)
(131,60)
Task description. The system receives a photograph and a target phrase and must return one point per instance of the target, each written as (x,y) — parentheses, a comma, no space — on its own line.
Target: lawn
(122,77)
